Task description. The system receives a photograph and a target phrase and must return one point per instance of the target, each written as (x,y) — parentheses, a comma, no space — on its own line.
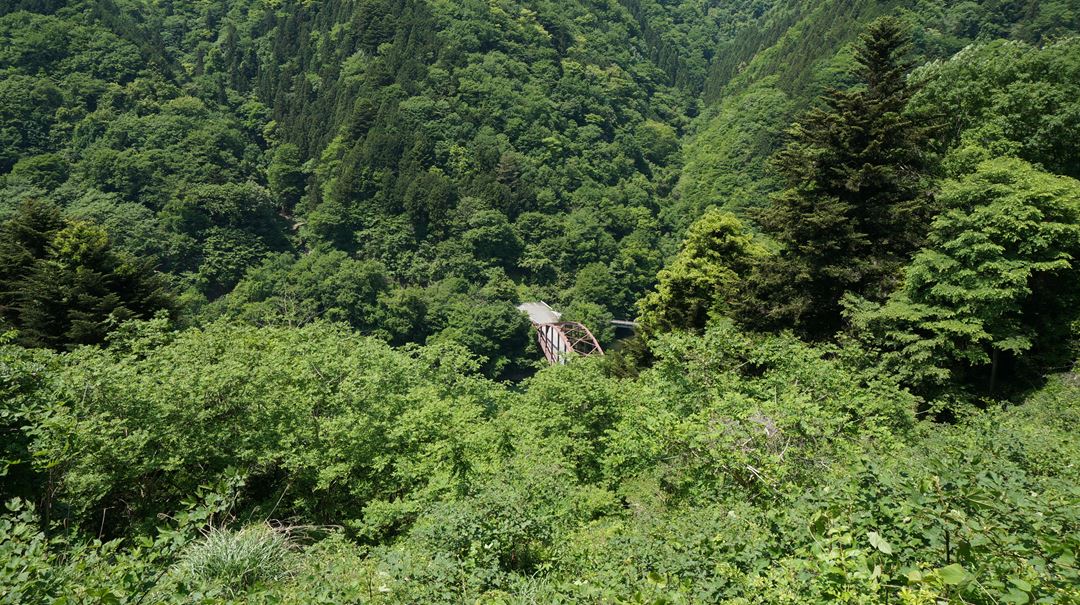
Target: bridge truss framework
(565,339)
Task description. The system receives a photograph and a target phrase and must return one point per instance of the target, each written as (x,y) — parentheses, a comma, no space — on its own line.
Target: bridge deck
(540,312)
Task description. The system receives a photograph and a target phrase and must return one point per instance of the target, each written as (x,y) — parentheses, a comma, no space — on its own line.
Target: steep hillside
(468,152)
(775,67)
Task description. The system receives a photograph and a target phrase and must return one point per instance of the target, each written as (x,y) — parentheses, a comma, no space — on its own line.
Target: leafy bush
(740,468)
(311,416)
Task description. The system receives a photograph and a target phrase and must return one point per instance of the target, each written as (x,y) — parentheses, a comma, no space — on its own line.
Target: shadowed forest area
(259,264)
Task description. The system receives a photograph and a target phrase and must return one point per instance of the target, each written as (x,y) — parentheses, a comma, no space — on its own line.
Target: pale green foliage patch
(740,468)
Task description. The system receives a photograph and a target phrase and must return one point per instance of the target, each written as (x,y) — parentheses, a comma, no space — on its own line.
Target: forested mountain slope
(459,148)
(467,153)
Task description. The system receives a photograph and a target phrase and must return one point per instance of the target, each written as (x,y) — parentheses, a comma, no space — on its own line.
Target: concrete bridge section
(540,312)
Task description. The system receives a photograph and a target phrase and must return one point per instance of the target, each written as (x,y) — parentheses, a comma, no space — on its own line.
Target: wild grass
(237,560)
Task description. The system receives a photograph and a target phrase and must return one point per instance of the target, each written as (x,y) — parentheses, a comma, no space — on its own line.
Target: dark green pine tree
(857,202)
(24,238)
(71,287)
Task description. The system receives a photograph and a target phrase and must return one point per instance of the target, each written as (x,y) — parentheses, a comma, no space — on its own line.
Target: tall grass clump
(236,560)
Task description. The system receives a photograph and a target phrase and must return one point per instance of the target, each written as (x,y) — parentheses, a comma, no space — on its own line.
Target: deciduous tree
(997,286)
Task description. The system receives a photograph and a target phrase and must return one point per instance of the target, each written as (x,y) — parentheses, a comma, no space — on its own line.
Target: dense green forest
(259,263)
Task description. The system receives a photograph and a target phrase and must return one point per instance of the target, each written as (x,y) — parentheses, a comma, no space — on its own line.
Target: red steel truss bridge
(560,340)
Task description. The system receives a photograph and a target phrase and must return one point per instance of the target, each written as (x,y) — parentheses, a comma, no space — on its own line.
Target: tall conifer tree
(62,284)
(856,205)
(24,238)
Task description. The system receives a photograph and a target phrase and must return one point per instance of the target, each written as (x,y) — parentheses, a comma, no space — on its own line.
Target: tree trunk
(993,371)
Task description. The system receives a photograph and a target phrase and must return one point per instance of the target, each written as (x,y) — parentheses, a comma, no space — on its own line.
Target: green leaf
(1021,584)
(1016,596)
(952,574)
(879,543)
